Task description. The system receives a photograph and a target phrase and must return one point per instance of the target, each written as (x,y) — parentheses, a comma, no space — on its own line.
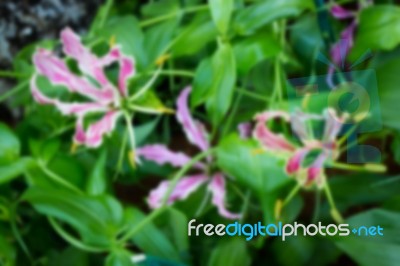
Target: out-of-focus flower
(101,94)
(326,147)
(341,48)
(197,135)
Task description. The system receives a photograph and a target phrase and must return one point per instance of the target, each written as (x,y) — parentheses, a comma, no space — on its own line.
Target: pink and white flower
(197,135)
(101,95)
(326,147)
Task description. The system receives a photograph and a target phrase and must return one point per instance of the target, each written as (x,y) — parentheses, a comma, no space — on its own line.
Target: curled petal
(193,129)
(333,125)
(88,62)
(93,136)
(266,137)
(299,123)
(127,70)
(58,73)
(340,13)
(316,170)
(161,155)
(217,188)
(244,130)
(295,162)
(78,109)
(182,190)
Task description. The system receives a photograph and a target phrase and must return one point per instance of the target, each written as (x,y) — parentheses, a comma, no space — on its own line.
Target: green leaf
(379,28)
(69,256)
(150,101)
(9,145)
(253,17)
(262,173)
(150,239)
(223,83)
(97,219)
(178,220)
(195,36)
(202,83)
(97,182)
(15,169)
(254,49)
(221,11)
(373,250)
(120,257)
(232,253)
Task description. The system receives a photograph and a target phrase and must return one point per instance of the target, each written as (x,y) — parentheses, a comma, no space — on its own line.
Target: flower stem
(168,193)
(10,74)
(291,195)
(334,211)
(14,90)
(146,86)
(369,167)
(131,134)
(158,19)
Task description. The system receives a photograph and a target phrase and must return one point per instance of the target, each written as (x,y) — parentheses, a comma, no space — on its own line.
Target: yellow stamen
(112,41)
(305,101)
(257,151)
(74,147)
(166,110)
(278,209)
(161,60)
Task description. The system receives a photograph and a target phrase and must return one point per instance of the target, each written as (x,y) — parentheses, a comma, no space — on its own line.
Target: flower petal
(333,125)
(266,137)
(182,190)
(161,155)
(193,129)
(340,13)
(316,170)
(88,62)
(58,73)
(244,130)
(217,188)
(295,162)
(78,109)
(299,123)
(93,137)
(126,71)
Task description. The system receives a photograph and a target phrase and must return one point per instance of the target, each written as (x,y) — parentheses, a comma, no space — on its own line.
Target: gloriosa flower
(326,146)
(197,135)
(102,95)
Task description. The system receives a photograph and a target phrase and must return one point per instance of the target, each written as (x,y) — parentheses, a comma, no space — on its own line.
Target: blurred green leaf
(379,28)
(120,257)
(195,36)
(263,173)
(202,83)
(373,250)
(96,218)
(8,253)
(232,253)
(9,145)
(150,239)
(251,18)
(223,83)
(97,182)
(255,49)
(161,7)
(178,220)
(14,169)
(221,11)
(69,256)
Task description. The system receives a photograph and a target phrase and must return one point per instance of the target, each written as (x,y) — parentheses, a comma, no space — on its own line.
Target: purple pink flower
(326,146)
(197,135)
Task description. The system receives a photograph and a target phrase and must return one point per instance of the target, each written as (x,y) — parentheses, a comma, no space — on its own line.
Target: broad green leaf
(178,220)
(373,250)
(150,239)
(69,256)
(97,182)
(49,149)
(97,219)
(223,83)
(161,7)
(149,102)
(202,83)
(232,253)
(254,49)
(195,36)
(13,170)
(221,11)
(8,253)
(255,16)
(9,145)
(263,173)
(379,28)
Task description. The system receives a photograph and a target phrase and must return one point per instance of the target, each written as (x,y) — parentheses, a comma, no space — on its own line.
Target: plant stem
(131,132)
(334,211)
(10,74)
(291,195)
(182,12)
(167,195)
(14,90)
(121,155)
(146,86)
